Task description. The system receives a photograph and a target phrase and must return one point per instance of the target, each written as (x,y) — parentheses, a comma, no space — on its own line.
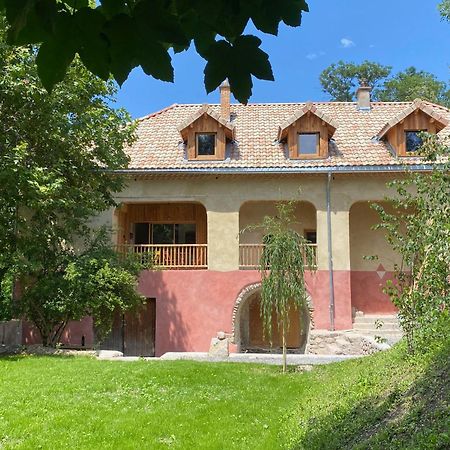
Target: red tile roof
(160,146)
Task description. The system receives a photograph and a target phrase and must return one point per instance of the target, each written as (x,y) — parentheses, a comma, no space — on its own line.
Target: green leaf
(237,62)
(94,50)
(267,14)
(216,69)
(155,61)
(248,55)
(156,21)
(38,26)
(121,33)
(52,62)
(112,8)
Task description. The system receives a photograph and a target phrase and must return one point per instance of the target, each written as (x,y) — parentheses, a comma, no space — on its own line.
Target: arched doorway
(248,328)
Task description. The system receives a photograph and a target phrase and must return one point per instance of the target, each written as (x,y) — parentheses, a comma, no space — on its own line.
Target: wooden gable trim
(205,110)
(206,121)
(416,107)
(309,108)
(308,121)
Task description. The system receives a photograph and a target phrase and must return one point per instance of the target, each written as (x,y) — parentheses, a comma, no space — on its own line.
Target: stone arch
(244,296)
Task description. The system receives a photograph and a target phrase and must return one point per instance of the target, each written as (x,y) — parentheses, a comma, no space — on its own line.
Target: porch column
(223,234)
(340,258)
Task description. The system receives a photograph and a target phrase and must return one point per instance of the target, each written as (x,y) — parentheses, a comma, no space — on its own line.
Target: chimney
(363,96)
(225,100)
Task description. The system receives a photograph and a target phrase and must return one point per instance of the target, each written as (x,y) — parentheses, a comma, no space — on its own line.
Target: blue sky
(399,33)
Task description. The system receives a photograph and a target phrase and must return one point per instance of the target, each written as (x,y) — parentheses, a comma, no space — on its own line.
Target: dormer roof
(158,147)
(440,117)
(206,110)
(309,107)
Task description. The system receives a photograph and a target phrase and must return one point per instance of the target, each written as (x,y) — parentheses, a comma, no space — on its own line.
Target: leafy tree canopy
(115,36)
(411,84)
(444,9)
(341,79)
(420,232)
(94,282)
(53,148)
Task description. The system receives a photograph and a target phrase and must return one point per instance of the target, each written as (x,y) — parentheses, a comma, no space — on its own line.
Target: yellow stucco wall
(253,213)
(224,195)
(364,241)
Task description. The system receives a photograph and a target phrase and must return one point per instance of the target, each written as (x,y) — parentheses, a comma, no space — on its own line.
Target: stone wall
(342,343)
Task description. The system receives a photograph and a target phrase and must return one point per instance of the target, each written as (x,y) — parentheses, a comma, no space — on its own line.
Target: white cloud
(347,43)
(312,56)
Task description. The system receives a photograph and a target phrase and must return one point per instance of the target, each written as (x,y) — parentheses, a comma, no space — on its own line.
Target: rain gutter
(330,250)
(277,170)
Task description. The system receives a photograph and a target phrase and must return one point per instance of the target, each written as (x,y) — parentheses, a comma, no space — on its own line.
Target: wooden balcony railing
(170,256)
(250,255)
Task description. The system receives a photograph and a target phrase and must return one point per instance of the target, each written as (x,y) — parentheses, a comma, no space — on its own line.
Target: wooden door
(139,330)
(258,338)
(133,333)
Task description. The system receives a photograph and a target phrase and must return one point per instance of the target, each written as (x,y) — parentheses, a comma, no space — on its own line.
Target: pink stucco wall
(192,306)
(367,292)
(71,336)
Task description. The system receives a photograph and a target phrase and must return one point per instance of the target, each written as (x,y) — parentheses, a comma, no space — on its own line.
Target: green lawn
(377,402)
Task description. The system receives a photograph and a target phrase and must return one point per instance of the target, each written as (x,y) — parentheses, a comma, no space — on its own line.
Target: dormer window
(307,133)
(206,134)
(413,140)
(205,144)
(308,144)
(403,132)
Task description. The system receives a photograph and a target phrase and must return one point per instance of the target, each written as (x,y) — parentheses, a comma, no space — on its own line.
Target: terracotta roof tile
(159,145)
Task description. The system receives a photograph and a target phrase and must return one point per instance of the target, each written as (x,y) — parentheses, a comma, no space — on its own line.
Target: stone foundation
(342,343)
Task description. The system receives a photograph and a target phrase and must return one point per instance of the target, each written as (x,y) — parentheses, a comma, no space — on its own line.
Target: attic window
(308,144)
(413,140)
(205,144)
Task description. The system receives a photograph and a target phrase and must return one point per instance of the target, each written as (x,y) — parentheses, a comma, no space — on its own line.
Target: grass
(384,401)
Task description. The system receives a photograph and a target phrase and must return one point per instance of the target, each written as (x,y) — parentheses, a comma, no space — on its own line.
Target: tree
(420,233)
(53,151)
(115,36)
(340,80)
(444,9)
(96,282)
(285,257)
(411,84)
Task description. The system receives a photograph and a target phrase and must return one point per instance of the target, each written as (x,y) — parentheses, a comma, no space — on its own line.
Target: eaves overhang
(280,170)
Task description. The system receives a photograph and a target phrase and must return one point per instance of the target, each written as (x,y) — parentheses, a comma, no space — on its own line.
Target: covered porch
(167,235)
(251,238)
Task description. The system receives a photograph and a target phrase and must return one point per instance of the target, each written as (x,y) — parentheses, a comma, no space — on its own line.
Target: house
(200,174)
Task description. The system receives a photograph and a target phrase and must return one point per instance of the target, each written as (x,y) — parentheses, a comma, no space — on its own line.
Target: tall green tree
(410,84)
(95,281)
(420,232)
(53,149)
(340,80)
(114,36)
(285,258)
(444,9)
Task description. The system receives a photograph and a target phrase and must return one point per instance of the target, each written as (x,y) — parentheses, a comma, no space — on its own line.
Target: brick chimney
(225,100)
(363,96)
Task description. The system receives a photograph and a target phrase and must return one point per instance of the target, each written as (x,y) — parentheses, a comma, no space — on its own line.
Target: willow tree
(285,259)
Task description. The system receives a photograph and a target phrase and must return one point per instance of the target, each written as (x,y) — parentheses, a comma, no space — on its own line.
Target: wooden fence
(250,255)
(170,256)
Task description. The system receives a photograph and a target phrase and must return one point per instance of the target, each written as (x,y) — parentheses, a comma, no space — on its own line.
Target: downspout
(330,251)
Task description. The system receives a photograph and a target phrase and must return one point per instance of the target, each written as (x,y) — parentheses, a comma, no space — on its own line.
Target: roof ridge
(156,113)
